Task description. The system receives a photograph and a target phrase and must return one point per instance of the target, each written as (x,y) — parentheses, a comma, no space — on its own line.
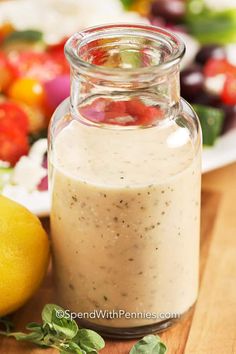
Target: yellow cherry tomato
(5,29)
(142,6)
(27,90)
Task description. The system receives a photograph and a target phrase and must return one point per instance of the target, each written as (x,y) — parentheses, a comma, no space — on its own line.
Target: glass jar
(125,177)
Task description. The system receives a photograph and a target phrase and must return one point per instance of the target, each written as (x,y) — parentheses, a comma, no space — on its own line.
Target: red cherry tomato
(60,59)
(13,132)
(39,66)
(13,116)
(119,107)
(7,73)
(143,114)
(133,112)
(215,67)
(13,145)
(228,94)
(56,52)
(58,47)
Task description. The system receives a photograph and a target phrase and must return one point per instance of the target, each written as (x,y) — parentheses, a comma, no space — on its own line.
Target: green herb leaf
(89,340)
(127,3)
(211,120)
(65,326)
(130,59)
(210,26)
(34,326)
(64,335)
(150,344)
(61,333)
(34,337)
(74,348)
(48,310)
(25,35)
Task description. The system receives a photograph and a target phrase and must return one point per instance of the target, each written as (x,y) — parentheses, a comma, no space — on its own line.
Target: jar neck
(163,90)
(125,62)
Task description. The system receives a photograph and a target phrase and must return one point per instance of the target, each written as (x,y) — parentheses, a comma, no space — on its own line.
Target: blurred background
(34,76)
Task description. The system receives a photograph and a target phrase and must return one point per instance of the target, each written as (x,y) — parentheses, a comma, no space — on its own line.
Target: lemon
(24,255)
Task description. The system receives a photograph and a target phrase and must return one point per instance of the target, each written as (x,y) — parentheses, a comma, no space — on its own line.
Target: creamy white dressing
(125,220)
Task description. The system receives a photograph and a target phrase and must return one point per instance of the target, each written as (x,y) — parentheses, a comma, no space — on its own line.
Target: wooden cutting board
(210,328)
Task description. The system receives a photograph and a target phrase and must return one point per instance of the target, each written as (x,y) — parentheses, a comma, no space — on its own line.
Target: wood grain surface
(210,328)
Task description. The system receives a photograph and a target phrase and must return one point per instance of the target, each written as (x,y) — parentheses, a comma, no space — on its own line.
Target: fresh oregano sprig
(150,344)
(64,335)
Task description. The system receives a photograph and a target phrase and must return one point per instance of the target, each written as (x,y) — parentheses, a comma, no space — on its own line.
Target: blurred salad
(34,79)
(209,80)
(34,75)
(30,72)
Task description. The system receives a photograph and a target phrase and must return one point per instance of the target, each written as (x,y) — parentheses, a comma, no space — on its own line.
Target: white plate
(223,153)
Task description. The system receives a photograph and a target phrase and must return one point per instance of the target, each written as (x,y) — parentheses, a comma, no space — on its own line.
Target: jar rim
(79,39)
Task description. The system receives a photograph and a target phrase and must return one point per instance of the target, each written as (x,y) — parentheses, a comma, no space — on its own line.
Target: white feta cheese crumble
(231,53)
(38,150)
(215,84)
(28,173)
